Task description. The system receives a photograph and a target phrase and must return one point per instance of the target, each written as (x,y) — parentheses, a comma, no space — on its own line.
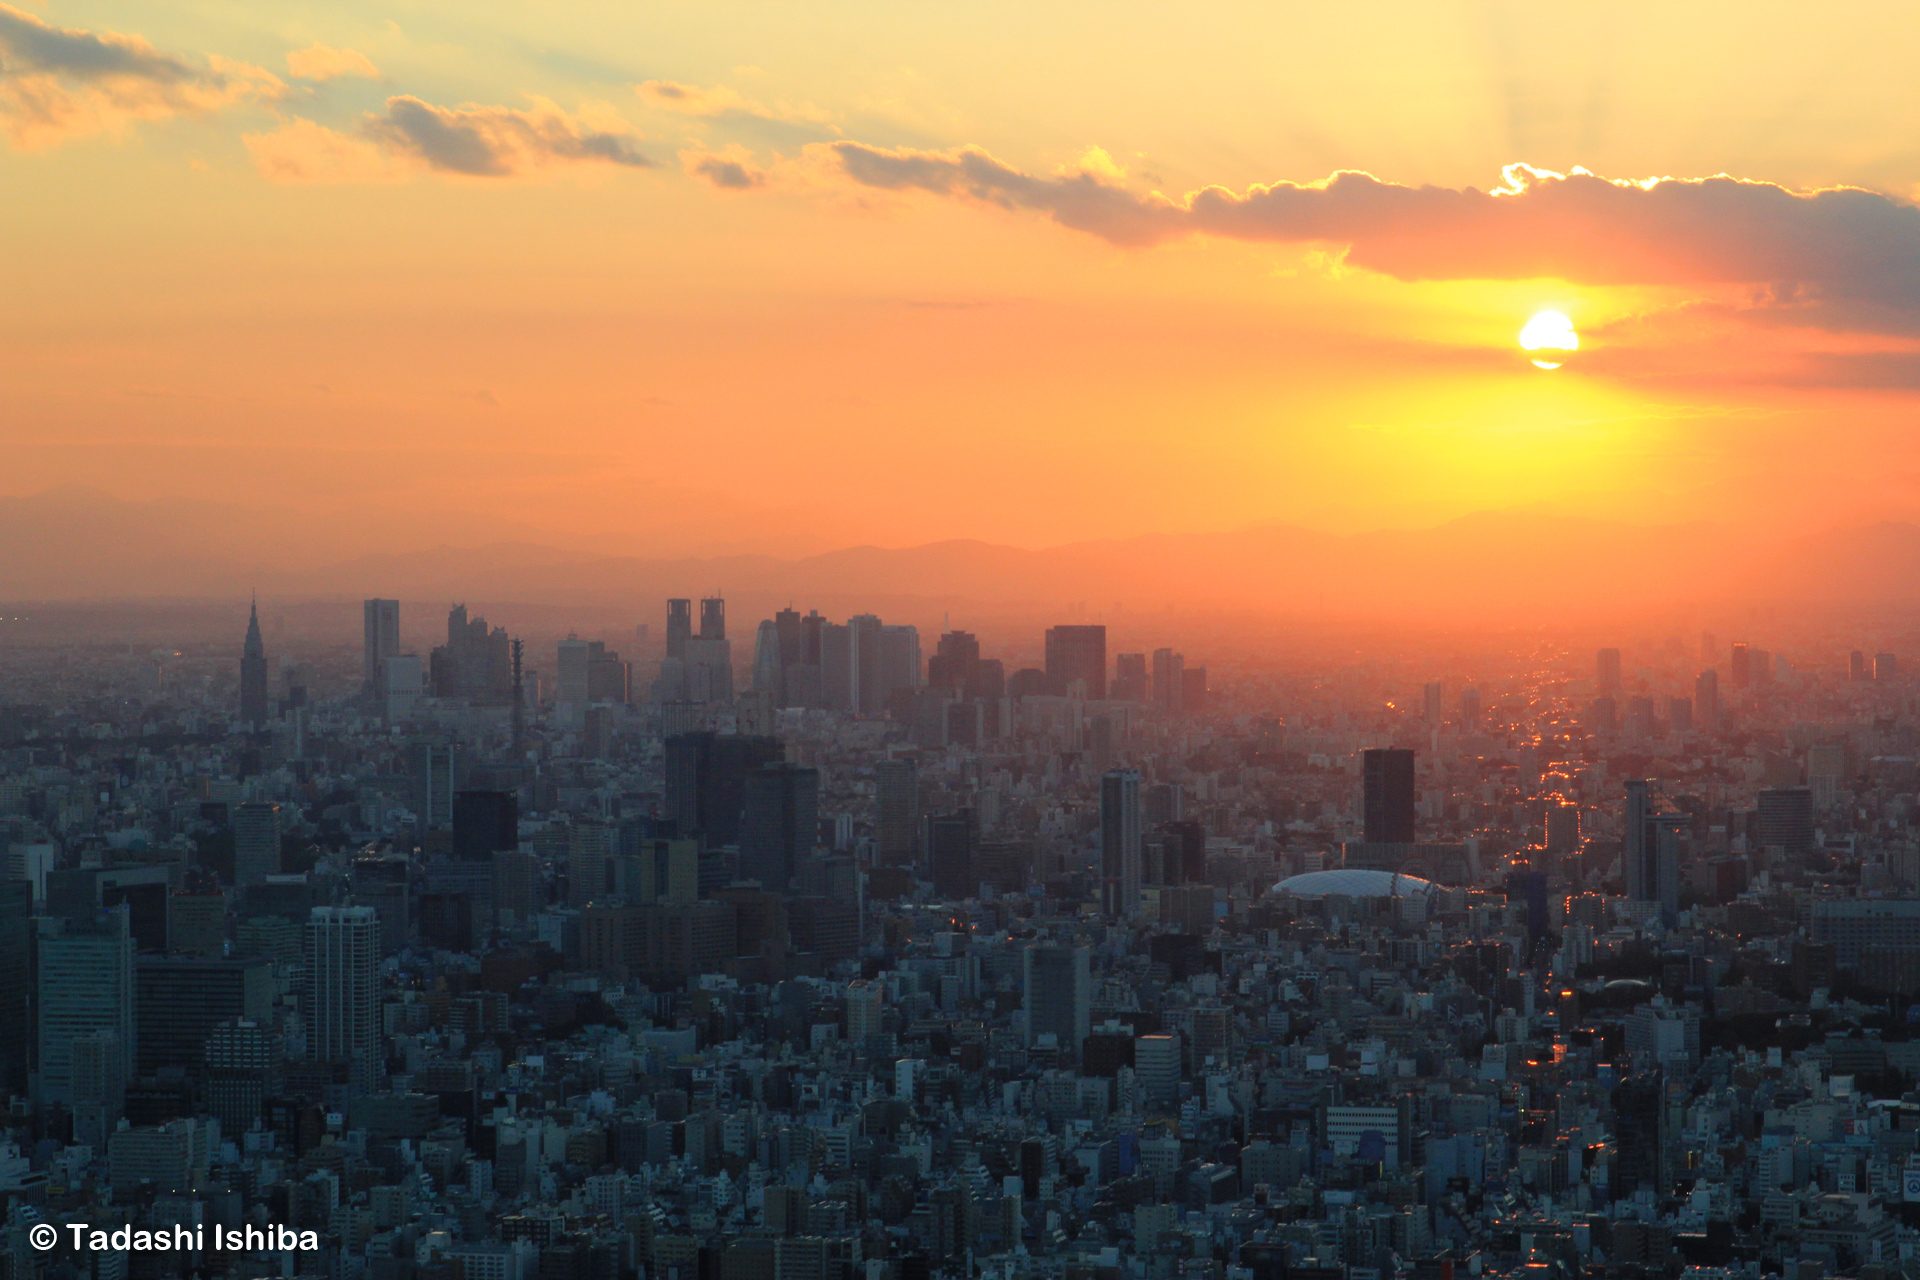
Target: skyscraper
(896,798)
(1650,839)
(1785,815)
(85,985)
(780,823)
(341,1001)
(706,779)
(1706,699)
(16,983)
(382,623)
(1387,795)
(1059,995)
(1130,677)
(1078,654)
(1430,705)
(953,854)
(709,655)
(256,842)
(253,674)
(484,823)
(1607,671)
(679,627)
(1169,681)
(1120,839)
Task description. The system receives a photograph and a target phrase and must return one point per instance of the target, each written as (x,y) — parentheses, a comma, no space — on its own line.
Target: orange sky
(686,278)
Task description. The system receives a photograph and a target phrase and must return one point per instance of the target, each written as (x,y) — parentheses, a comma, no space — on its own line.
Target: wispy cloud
(319,62)
(731,170)
(58,83)
(411,135)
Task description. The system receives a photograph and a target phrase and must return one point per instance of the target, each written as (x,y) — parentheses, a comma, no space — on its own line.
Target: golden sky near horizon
(700,277)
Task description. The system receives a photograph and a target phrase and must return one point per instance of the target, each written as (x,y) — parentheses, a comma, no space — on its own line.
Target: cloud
(319,62)
(300,151)
(731,170)
(58,83)
(496,141)
(719,102)
(412,136)
(1843,257)
(718,107)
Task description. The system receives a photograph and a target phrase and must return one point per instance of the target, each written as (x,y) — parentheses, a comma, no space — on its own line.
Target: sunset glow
(680,278)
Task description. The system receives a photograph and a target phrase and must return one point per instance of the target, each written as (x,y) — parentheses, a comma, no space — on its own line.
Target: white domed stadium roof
(1354,882)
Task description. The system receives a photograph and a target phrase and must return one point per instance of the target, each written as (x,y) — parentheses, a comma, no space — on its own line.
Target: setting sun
(1549,331)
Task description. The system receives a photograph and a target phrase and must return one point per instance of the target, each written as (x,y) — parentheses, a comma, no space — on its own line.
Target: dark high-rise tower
(253,674)
(518,651)
(679,627)
(713,618)
(382,623)
(1120,842)
(1387,795)
(1078,653)
(780,821)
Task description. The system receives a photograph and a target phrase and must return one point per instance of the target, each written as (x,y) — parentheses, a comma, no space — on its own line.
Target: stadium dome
(1355,882)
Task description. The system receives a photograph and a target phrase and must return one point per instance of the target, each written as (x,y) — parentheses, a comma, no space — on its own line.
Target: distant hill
(1498,567)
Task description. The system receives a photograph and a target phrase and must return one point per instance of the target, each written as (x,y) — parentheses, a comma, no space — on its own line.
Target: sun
(1549,331)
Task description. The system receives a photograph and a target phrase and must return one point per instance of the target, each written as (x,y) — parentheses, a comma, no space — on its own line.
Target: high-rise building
(1741,665)
(475,663)
(1856,666)
(242,1072)
(16,983)
(1130,682)
(1886,668)
(1169,681)
(1706,699)
(382,625)
(256,842)
(839,668)
(180,1000)
(253,674)
(1077,659)
(780,823)
(900,666)
(341,999)
(484,823)
(953,662)
(1120,843)
(866,1004)
(1641,1130)
(1607,671)
(1470,709)
(706,781)
(1059,994)
(433,770)
(679,627)
(1785,815)
(590,846)
(1156,1065)
(1431,708)
(1650,848)
(1387,795)
(1603,716)
(708,656)
(953,854)
(896,786)
(85,985)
